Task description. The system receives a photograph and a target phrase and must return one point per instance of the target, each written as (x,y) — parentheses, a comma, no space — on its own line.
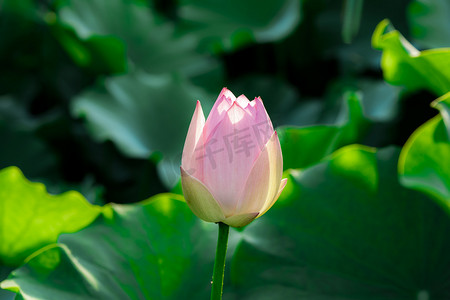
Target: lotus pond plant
(232,166)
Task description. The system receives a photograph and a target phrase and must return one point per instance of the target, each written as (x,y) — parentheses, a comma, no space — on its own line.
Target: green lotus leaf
(156,249)
(30,218)
(404,65)
(425,159)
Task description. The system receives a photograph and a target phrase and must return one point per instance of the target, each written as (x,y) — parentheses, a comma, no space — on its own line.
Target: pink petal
(228,94)
(263,124)
(228,156)
(251,108)
(242,101)
(240,220)
(263,182)
(192,138)
(221,106)
(199,199)
(270,203)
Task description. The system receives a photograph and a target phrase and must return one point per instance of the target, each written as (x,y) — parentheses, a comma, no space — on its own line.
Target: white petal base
(240,220)
(200,200)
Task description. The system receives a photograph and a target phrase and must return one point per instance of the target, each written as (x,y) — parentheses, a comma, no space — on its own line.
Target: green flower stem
(219,263)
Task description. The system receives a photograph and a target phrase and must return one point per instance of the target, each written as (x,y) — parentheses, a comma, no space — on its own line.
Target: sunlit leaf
(156,249)
(30,218)
(425,160)
(404,65)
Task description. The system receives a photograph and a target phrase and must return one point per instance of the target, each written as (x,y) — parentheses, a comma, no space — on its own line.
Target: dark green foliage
(96,96)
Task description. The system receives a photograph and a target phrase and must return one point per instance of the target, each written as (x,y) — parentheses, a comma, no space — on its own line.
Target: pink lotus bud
(232,164)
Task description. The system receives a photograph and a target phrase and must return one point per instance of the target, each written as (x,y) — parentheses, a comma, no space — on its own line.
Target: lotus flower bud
(232,164)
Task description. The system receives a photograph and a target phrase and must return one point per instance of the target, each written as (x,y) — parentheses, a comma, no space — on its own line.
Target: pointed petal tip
(235,107)
(242,101)
(236,113)
(259,99)
(262,114)
(194,133)
(274,137)
(227,94)
(199,110)
(198,105)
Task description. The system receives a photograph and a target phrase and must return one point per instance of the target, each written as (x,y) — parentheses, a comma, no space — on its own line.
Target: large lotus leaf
(429,22)
(425,160)
(142,114)
(30,218)
(350,231)
(230,24)
(404,65)
(156,249)
(150,42)
(305,146)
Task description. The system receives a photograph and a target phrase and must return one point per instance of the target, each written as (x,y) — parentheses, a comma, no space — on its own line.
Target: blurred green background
(96,96)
